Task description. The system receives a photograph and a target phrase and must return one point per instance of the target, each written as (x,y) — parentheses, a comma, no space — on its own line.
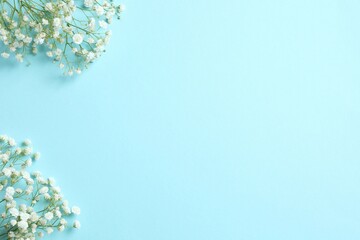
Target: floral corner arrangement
(31,205)
(73,33)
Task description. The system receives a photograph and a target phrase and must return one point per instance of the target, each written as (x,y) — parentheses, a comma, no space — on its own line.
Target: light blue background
(205,120)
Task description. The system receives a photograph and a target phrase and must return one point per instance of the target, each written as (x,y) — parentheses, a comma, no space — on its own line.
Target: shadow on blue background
(205,120)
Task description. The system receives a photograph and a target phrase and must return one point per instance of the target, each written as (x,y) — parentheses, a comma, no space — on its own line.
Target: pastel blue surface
(205,120)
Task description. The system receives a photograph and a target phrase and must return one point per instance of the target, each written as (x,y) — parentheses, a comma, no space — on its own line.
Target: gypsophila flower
(78,38)
(31,204)
(49,215)
(59,26)
(75,210)
(76,224)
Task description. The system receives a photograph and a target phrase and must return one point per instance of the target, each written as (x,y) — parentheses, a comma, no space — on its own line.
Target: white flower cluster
(74,33)
(31,205)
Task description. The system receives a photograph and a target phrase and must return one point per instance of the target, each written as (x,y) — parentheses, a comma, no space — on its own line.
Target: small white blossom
(5,55)
(89,3)
(10,190)
(75,210)
(57,22)
(36,156)
(19,57)
(103,24)
(14,212)
(99,10)
(49,230)
(78,39)
(49,215)
(7,172)
(76,224)
(43,190)
(49,6)
(23,225)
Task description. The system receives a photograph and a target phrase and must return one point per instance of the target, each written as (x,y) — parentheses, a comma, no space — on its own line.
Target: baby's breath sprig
(30,204)
(73,32)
